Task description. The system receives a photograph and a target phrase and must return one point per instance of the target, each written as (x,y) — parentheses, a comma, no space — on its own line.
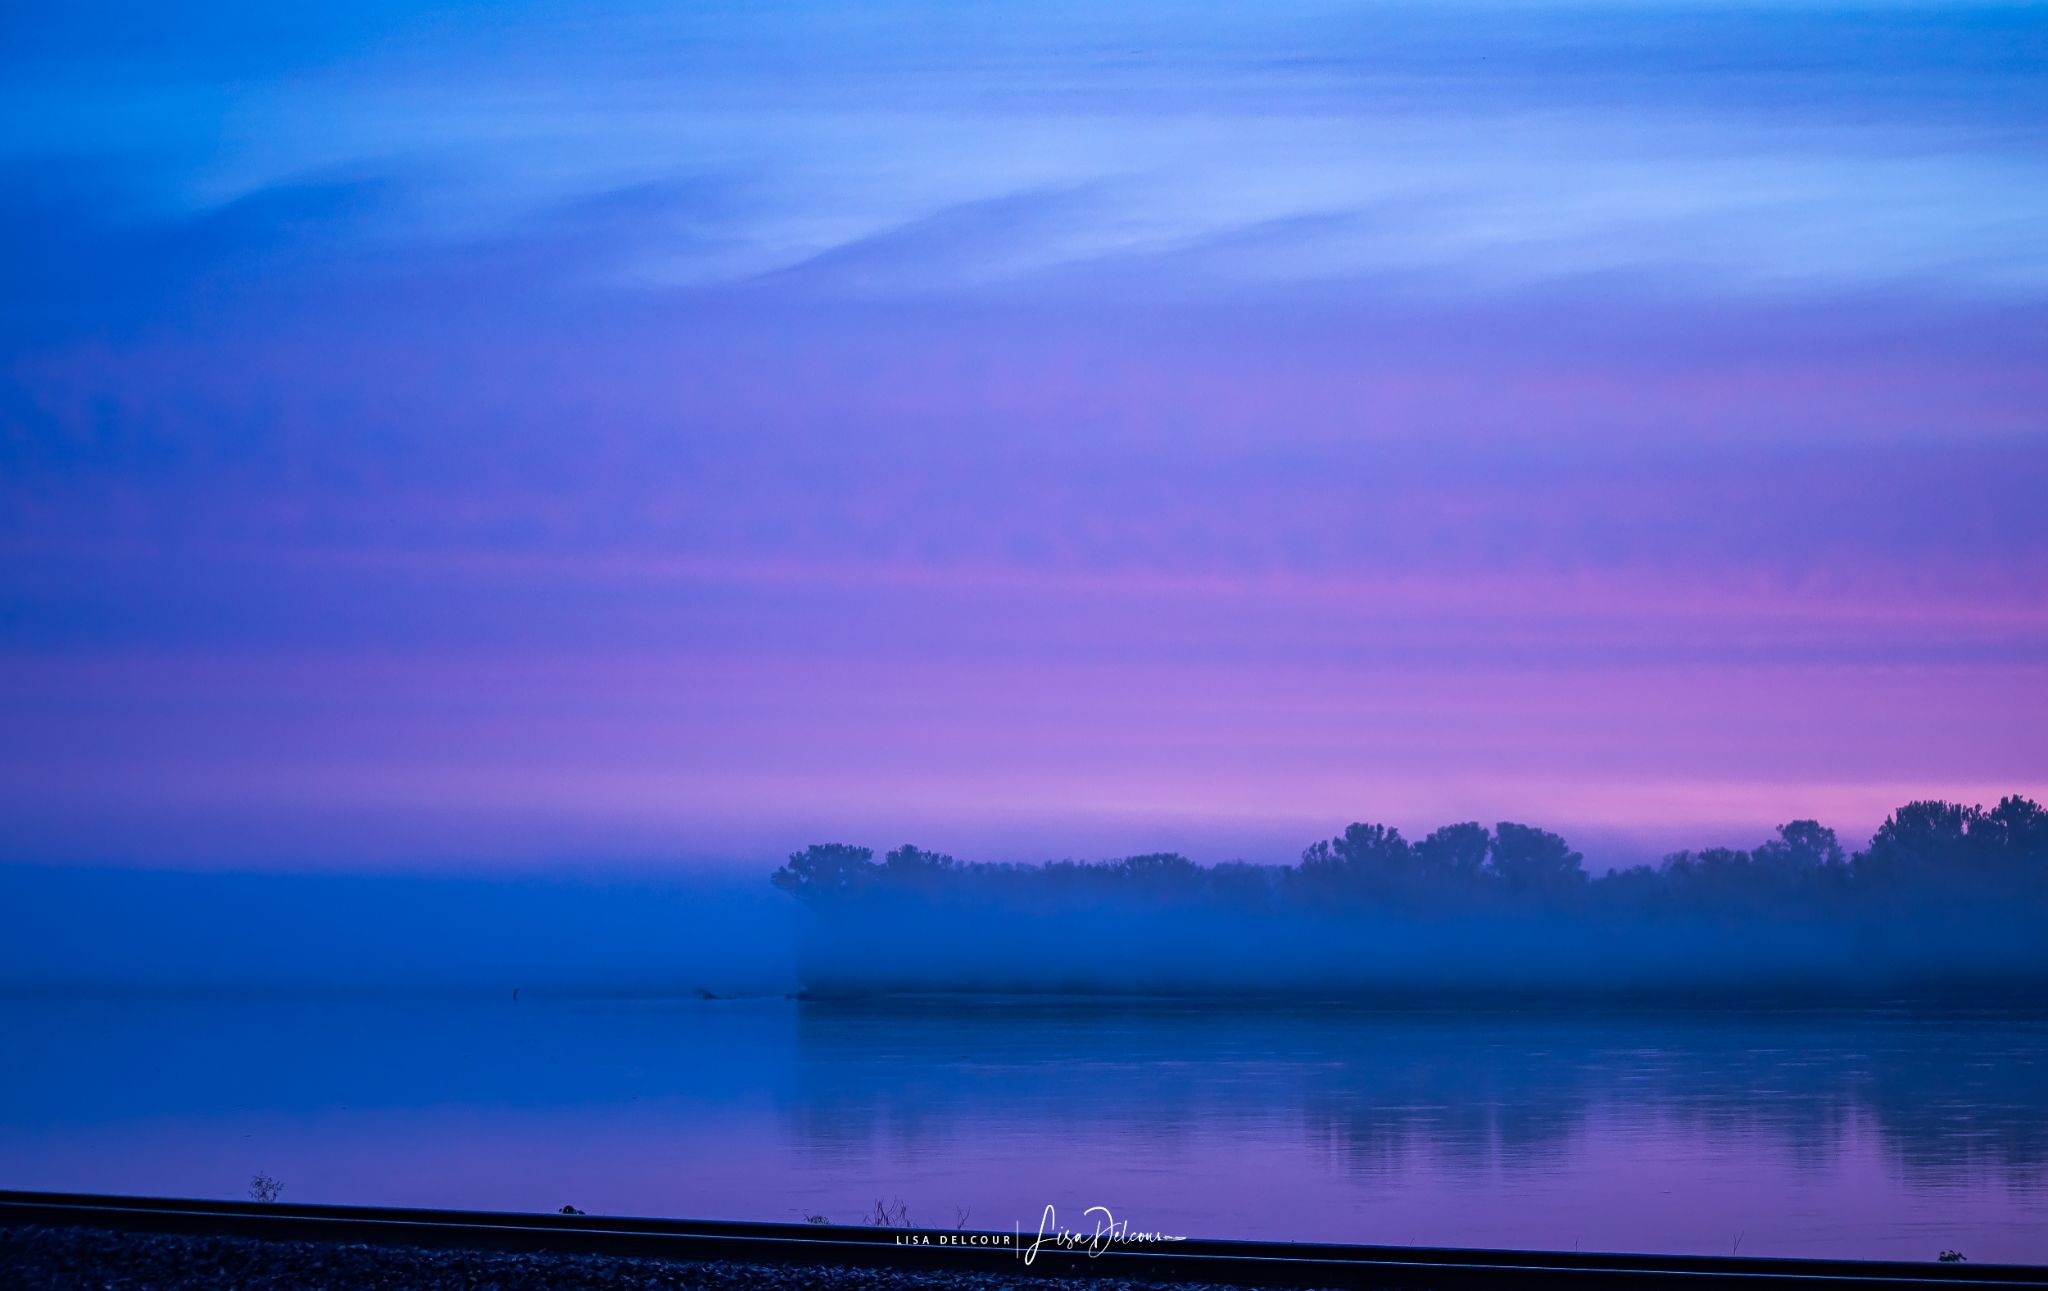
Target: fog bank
(117,929)
(1947,899)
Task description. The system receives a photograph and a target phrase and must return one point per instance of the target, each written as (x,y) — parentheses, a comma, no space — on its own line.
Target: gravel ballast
(87,1259)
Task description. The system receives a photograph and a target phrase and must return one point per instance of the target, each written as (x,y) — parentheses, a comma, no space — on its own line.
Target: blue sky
(469,434)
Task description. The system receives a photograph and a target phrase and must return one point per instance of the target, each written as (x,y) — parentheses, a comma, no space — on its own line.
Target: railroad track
(1285,1264)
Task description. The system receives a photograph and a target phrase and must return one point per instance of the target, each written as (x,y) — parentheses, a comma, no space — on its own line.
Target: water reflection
(1873,1132)
(1951,1094)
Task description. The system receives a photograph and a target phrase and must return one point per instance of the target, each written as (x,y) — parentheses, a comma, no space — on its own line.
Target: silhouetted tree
(1531,860)
(825,871)
(1946,894)
(1919,837)
(1958,849)
(1163,873)
(912,866)
(1364,859)
(1457,851)
(2015,831)
(1800,847)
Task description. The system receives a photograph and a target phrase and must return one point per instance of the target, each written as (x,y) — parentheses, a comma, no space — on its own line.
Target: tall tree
(827,871)
(1535,860)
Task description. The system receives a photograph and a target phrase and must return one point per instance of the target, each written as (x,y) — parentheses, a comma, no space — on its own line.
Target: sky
(456,437)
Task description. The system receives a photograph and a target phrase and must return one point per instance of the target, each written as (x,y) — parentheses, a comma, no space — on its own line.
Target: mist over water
(357,1036)
(1946,901)
(621,932)
(913,947)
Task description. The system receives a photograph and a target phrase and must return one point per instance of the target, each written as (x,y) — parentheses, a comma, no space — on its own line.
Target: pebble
(85,1259)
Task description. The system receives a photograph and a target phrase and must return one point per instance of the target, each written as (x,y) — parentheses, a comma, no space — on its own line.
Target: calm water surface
(1884,1133)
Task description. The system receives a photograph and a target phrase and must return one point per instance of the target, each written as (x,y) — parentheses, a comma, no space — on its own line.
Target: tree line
(1921,846)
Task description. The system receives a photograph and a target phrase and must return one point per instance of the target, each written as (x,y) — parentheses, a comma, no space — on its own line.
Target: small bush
(889,1214)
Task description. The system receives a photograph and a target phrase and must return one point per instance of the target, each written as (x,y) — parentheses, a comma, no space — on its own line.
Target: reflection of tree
(1473,1097)
(1953,1103)
(1953,1098)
